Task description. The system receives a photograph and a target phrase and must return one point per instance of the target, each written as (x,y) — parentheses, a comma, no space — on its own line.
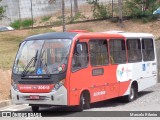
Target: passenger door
(99,67)
(79,77)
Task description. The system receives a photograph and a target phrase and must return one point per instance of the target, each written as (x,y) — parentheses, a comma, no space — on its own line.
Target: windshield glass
(42,57)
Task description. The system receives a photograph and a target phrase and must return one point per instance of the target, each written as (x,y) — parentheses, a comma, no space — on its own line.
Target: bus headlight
(58,85)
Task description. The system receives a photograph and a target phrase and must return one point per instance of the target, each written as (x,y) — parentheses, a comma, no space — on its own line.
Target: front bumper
(58,97)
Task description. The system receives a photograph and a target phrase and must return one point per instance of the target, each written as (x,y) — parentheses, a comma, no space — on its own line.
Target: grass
(9,43)
(45,18)
(8,47)
(158,38)
(17,24)
(26,23)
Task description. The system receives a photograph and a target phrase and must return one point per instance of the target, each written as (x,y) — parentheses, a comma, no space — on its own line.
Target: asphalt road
(148,100)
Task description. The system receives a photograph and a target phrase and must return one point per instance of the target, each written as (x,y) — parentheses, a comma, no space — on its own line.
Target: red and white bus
(78,68)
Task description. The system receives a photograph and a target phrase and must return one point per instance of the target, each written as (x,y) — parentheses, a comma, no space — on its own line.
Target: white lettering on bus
(35,87)
(99,93)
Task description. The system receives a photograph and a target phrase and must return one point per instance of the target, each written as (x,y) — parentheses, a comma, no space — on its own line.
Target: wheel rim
(83,100)
(132,94)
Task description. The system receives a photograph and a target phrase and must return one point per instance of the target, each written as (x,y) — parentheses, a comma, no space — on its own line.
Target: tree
(94,3)
(139,8)
(120,12)
(99,9)
(2,11)
(76,7)
(63,15)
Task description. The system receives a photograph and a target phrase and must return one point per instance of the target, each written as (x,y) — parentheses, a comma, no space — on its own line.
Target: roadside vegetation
(141,10)
(9,42)
(17,24)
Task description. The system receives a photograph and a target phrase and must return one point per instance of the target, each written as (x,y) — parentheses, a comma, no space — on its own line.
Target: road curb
(5,103)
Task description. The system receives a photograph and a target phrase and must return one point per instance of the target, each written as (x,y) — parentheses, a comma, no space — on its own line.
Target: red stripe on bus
(35,88)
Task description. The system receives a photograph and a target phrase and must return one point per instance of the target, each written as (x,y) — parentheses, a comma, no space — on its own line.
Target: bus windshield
(42,57)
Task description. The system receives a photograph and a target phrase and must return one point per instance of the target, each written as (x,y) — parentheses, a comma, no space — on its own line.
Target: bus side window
(148,49)
(80,56)
(98,52)
(134,50)
(117,51)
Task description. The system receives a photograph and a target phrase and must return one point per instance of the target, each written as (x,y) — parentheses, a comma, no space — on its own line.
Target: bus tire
(35,108)
(80,107)
(132,95)
(84,102)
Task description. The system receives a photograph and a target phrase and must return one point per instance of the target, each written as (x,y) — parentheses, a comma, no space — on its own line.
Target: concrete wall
(158,57)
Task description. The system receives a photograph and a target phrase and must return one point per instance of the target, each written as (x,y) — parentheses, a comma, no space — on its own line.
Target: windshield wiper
(44,64)
(28,65)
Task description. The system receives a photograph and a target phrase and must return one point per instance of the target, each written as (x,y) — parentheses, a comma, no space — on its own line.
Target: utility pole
(32,12)
(120,13)
(71,11)
(19,12)
(63,14)
(112,8)
(76,7)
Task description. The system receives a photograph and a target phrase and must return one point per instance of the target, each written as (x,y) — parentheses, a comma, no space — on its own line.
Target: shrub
(57,23)
(45,18)
(17,24)
(100,11)
(134,8)
(26,23)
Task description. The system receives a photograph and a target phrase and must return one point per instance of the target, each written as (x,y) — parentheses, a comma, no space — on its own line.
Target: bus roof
(52,35)
(135,35)
(131,35)
(70,35)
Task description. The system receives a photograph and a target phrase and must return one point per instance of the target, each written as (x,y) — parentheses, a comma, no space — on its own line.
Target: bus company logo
(120,71)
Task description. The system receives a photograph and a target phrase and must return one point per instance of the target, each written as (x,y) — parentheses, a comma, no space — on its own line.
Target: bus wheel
(84,102)
(132,95)
(80,106)
(35,108)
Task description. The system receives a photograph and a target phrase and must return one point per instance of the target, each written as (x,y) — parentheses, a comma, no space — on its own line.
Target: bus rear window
(148,49)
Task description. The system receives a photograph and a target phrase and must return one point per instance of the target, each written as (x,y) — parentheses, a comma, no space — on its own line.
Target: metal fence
(37,13)
(49,12)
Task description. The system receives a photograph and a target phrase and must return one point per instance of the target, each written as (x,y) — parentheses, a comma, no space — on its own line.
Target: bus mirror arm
(20,44)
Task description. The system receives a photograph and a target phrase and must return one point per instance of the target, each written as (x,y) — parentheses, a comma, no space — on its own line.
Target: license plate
(34,97)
